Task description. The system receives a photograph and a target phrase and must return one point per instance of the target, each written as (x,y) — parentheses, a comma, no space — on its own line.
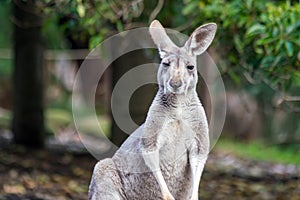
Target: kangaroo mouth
(172,90)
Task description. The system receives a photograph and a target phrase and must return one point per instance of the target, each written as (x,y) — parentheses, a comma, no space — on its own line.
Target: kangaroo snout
(175,83)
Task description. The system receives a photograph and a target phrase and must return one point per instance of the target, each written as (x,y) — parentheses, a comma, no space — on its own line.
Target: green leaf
(293,27)
(120,26)
(238,44)
(296,78)
(189,8)
(275,31)
(255,30)
(277,60)
(289,47)
(249,4)
(267,61)
(80,10)
(94,41)
(258,50)
(233,58)
(279,45)
(265,41)
(234,77)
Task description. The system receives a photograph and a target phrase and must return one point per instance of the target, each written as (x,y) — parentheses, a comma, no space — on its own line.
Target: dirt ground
(36,175)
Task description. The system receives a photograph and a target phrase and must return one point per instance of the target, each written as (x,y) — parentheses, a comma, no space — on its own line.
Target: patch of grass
(57,118)
(259,151)
(88,125)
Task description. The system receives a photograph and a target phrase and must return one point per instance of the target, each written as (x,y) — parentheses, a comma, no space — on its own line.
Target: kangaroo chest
(175,139)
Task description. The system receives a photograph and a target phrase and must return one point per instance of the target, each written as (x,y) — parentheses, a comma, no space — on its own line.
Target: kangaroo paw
(168,196)
(195,197)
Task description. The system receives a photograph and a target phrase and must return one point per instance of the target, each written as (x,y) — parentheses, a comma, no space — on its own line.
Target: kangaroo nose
(175,84)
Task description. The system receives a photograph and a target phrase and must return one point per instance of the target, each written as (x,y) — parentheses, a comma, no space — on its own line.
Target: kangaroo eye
(190,67)
(166,64)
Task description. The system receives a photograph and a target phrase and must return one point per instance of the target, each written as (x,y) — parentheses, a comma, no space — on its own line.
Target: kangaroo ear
(161,39)
(201,38)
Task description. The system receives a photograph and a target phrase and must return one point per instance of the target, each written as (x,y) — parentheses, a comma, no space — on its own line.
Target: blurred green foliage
(87,23)
(258,40)
(258,46)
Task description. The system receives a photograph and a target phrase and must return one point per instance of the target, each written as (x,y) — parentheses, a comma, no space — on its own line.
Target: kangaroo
(164,158)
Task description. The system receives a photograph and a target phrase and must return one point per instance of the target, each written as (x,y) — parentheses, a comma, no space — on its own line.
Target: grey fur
(164,158)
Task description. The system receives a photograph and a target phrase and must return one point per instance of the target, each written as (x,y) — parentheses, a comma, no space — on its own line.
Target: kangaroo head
(177,73)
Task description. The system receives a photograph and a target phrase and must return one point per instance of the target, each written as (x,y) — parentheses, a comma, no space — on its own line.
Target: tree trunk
(28,116)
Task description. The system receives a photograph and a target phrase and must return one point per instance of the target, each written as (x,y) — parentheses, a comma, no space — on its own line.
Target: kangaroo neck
(171,100)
